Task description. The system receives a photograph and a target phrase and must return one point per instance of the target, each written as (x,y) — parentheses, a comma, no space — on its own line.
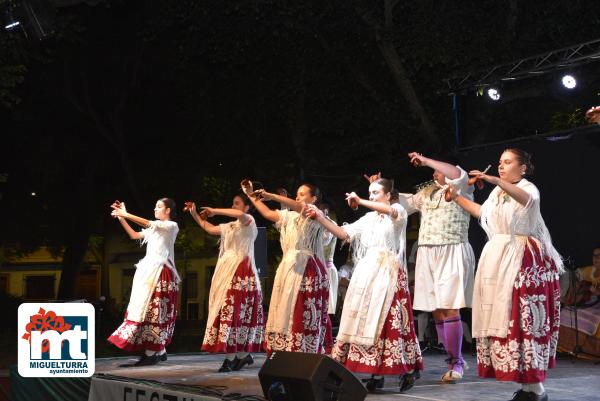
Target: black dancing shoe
(227,365)
(373,383)
(146,360)
(523,395)
(163,357)
(407,381)
(240,363)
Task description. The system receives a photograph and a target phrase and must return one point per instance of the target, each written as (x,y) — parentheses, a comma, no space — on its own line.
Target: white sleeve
(461,184)
(160,225)
(534,195)
(410,202)
(169,228)
(400,211)
(250,220)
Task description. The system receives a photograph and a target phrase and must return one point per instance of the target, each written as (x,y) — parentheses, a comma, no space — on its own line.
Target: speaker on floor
(296,376)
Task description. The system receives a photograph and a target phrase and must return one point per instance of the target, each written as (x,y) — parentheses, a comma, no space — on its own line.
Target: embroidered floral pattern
(156,331)
(397,349)
(529,350)
(311,327)
(239,327)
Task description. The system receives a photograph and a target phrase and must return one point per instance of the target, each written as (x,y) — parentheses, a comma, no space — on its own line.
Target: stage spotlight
(569,81)
(34,18)
(10,22)
(494,94)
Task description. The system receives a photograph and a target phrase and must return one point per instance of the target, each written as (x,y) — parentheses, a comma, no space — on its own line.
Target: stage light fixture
(569,81)
(34,18)
(493,94)
(10,22)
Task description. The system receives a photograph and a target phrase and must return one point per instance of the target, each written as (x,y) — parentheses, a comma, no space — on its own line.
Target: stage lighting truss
(555,60)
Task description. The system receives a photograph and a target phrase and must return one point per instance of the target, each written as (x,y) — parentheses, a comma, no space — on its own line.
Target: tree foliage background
(135,100)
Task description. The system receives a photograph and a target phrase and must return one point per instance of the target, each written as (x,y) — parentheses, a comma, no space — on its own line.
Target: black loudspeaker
(295,376)
(260,252)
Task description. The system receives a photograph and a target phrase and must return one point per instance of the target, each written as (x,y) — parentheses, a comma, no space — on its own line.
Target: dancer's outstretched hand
(372,178)
(417,159)
(353,200)
(208,211)
(593,115)
(189,207)
(261,194)
(246,185)
(487,178)
(451,193)
(119,209)
(311,211)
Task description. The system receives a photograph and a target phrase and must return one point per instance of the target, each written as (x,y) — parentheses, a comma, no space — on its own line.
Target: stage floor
(570,381)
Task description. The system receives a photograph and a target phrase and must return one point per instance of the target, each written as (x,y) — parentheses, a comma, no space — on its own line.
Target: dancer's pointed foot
(374,383)
(407,381)
(146,360)
(523,395)
(240,363)
(227,365)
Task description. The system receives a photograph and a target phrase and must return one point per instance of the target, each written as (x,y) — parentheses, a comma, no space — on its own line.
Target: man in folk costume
(445,262)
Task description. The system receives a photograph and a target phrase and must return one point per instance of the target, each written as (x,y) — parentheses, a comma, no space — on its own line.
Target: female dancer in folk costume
(329,243)
(297,319)
(235,313)
(445,262)
(150,318)
(516,301)
(377,333)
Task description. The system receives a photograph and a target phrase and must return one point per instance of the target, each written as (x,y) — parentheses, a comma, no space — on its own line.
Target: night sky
(134,100)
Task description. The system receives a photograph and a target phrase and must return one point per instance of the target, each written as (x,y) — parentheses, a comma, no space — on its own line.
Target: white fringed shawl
(522,220)
(329,243)
(301,238)
(378,244)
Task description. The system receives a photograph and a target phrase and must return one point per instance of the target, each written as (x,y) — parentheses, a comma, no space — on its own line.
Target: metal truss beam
(527,67)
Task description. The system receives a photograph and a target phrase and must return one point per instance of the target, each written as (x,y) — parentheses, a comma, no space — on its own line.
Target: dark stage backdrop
(567,173)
